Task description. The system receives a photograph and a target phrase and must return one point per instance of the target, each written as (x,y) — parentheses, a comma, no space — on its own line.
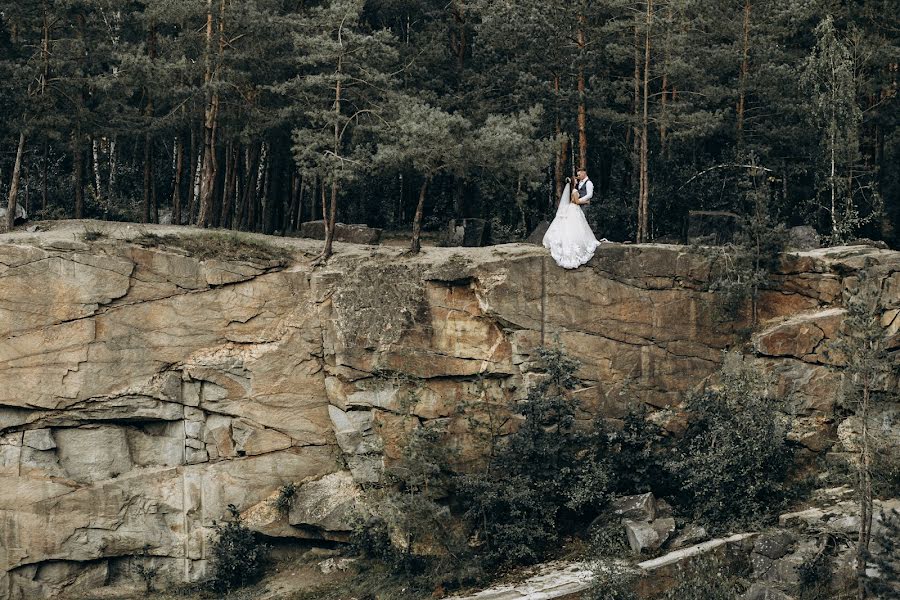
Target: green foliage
(745,266)
(238,557)
(732,463)
(145,569)
(285,498)
(885,558)
(546,476)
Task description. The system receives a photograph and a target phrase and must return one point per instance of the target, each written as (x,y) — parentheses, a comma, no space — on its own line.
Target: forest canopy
(262,114)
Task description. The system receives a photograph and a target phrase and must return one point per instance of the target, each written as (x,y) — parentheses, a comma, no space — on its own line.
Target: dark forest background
(260,114)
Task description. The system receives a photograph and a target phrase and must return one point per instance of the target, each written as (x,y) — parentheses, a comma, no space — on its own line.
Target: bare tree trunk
(644,198)
(232,156)
(416,244)
(78,172)
(194,186)
(176,184)
(95,165)
(14,184)
(663,126)
(44,169)
(113,166)
(330,220)
(560,167)
(582,98)
(865,494)
(148,179)
(745,70)
(208,171)
(635,129)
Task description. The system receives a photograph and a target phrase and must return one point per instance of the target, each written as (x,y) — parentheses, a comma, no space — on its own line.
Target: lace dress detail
(569,238)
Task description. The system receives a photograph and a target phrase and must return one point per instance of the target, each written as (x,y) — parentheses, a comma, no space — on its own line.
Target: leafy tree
(347,71)
(869,379)
(829,75)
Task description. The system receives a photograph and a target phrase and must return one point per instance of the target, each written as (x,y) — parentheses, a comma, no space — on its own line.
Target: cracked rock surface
(142,390)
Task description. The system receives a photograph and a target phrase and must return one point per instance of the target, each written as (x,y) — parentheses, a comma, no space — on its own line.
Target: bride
(569,237)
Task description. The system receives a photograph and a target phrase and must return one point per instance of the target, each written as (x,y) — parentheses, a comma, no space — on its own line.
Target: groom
(584,186)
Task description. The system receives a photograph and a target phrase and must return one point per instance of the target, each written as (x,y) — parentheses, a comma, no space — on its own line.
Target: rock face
(143,390)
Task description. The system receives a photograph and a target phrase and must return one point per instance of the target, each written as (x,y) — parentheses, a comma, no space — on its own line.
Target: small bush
(92,235)
(285,497)
(732,464)
(238,557)
(548,478)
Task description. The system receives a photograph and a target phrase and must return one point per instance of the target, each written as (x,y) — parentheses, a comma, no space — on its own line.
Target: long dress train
(569,238)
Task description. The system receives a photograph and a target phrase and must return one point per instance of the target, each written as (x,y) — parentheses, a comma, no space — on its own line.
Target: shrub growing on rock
(238,557)
(732,464)
(544,479)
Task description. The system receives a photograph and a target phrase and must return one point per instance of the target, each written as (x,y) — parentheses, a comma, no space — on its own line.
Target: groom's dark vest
(582,188)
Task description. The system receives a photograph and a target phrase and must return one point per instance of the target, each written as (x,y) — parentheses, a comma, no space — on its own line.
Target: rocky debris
(762,591)
(711,227)
(351,234)
(803,237)
(690,535)
(471,233)
(648,521)
(637,508)
(333,565)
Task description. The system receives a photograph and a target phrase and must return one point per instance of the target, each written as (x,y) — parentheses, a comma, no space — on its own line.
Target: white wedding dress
(569,238)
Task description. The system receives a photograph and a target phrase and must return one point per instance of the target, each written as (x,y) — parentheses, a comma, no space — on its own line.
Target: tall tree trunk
(113,167)
(582,98)
(95,167)
(149,196)
(208,170)
(194,168)
(636,102)
(663,125)
(560,167)
(865,492)
(176,184)
(745,70)
(416,243)
(148,179)
(78,171)
(44,169)
(644,199)
(232,156)
(330,220)
(14,183)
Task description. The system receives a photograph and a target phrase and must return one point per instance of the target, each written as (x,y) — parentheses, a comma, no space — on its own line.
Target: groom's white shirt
(588,191)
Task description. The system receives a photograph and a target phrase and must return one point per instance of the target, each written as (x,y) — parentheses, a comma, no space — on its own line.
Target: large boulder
(351,234)
(329,504)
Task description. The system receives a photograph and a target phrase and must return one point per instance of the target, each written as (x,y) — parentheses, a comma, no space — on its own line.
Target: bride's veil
(564,200)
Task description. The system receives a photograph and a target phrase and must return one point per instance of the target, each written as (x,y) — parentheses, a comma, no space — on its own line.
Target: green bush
(612,581)
(732,463)
(547,478)
(238,557)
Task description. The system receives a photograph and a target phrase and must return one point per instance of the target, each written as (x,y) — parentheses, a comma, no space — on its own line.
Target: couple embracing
(569,238)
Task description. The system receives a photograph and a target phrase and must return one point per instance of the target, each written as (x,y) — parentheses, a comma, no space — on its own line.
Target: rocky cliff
(143,390)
